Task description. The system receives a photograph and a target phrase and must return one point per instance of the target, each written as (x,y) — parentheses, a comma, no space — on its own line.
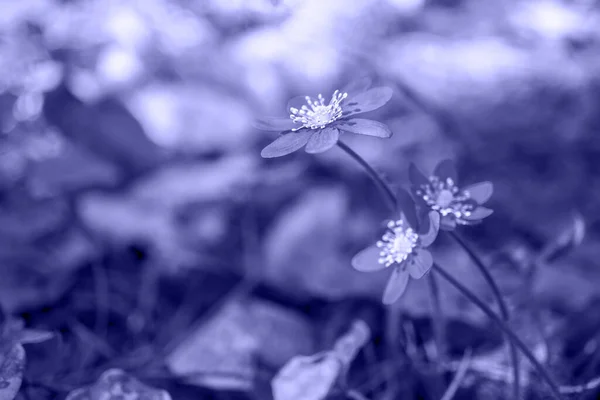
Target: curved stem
(503,326)
(383,186)
(463,367)
(501,304)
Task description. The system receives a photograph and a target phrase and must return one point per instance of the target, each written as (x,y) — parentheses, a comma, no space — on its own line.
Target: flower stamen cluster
(397,243)
(445,197)
(317,114)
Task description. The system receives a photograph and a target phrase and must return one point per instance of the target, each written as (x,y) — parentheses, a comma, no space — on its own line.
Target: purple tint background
(139,222)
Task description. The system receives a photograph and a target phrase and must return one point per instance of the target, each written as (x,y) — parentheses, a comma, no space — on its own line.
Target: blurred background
(140,225)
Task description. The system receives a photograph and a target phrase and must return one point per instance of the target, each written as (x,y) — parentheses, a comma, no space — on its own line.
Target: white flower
(403,249)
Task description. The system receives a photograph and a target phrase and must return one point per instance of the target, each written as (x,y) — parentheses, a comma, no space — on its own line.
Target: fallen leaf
(306,378)
(12,365)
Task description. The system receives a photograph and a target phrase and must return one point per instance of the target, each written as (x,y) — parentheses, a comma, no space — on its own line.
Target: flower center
(316,114)
(397,243)
(445,197)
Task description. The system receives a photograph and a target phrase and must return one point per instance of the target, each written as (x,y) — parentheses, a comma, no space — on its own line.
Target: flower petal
(407,208)
(274,124)
(420,264)
(365,127)
(322,140)
(416,177)
(287,143)
(433,228)
(370,100)
(479,213)
(396,284)
(357,86)
(367,260)
(480,192)
(445,170)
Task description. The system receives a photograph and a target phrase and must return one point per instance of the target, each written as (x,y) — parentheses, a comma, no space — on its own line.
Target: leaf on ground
(12,365)
(566,241)
(349,344)
(281,333)
(75,169)
(220,354)
(306,378)
(117,384)
(35,275)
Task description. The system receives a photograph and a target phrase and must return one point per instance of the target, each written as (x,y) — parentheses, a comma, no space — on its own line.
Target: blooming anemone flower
(441,193)
(402,248)
(317,123)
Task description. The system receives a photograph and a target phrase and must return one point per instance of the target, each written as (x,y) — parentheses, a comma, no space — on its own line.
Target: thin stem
(355,395)
(383,186)
(458,377)
(503,326)
(514,357)
(438,322)
(577,389)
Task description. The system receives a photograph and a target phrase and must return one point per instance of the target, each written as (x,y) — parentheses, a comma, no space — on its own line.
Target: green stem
(503,326)
(381,184)
(501,304)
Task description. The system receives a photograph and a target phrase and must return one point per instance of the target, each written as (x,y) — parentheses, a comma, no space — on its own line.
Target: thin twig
(577,389)
(463,367)
(503,326)
(514,357)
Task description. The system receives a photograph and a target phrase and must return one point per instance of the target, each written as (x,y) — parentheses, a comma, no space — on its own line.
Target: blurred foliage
(133,199)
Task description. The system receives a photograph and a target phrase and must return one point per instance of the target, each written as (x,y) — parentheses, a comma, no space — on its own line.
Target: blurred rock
(124,219)
(104,127)
(40,249)
(282,334)
(172,209)
(221,352)
(193,118)
(178,184)
(38,274)
(24,219)
(74,170)
(303,249)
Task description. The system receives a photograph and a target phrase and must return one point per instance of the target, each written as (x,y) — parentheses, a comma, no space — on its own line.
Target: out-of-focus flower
(441,193)
(317,123)
(117,384)
(402,247)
